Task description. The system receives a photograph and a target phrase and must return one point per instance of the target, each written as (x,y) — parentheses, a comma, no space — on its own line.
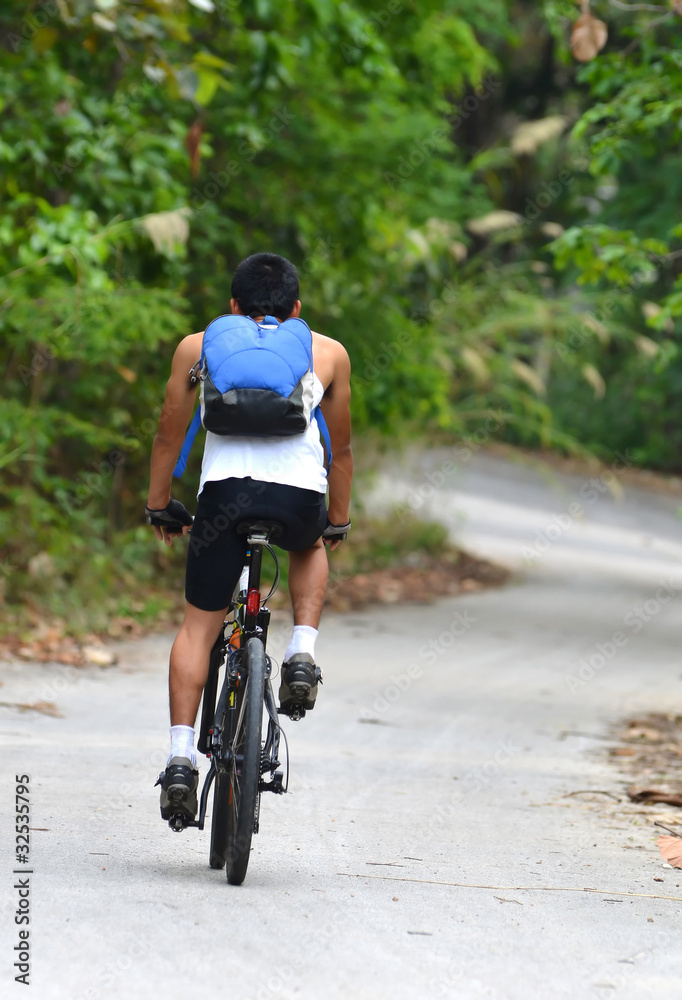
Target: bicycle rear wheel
(218,847)
(243,775)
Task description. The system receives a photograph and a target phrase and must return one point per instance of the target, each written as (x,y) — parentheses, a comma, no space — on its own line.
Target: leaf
(671,850)
(652,795)
(650,310)
(206,5)
(528,375)
(167,230)
(475,363)
(99,656)
(493,222)
(193,145)
(105,23)
(208,59)
(44,39)
(208,84)
(44,707)
(595,380)
(588,37)
(646,346)
(552,229)
(529,136)
(127,373)
(597,327)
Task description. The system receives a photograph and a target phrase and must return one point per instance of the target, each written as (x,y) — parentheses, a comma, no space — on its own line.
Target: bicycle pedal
(178,822)
(293,712)
(276,785)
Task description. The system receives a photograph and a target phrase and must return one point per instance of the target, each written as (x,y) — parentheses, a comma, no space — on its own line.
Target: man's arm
(336,411)
(175,416)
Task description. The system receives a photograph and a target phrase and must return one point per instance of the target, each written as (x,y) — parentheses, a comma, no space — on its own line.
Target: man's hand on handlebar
(334,534)
(170,521)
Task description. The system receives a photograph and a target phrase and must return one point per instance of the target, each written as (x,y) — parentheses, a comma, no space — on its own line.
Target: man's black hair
(265,284)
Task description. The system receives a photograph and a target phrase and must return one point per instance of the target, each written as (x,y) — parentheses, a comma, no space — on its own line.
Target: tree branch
(647,27)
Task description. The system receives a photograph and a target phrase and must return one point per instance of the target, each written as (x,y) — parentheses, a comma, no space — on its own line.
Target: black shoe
(298,690)
(179,784)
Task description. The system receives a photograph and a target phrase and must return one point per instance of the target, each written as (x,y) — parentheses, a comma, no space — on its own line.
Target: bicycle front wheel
(243,775)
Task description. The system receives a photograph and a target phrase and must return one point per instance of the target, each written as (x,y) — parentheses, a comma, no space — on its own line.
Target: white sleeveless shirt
(291,461)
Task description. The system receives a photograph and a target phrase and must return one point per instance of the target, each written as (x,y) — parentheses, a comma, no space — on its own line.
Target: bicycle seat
(272,529)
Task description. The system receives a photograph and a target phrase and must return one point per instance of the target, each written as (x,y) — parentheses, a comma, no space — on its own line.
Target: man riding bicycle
(272,478)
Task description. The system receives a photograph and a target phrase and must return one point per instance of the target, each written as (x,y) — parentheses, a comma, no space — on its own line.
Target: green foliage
(148,146)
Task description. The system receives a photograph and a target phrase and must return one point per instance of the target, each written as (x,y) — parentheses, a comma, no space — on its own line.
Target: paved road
(431,846)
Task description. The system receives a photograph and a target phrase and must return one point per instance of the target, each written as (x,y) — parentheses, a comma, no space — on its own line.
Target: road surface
(431,845)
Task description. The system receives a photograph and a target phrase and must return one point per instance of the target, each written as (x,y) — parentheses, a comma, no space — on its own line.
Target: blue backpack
(256,381)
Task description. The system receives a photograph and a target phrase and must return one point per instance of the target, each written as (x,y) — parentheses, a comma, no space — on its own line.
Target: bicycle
(243,763)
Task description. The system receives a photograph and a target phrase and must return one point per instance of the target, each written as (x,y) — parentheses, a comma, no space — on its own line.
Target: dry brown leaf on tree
(671,850)
(193,145)
(588,37)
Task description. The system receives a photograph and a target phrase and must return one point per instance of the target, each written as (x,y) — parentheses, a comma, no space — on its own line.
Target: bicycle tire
(243,776)
(218,846)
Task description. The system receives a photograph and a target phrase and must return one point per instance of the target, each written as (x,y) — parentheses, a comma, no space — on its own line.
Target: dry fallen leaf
(99,656)
(44,707)
(588,37)
(671,850)
(651,795)
(645,733)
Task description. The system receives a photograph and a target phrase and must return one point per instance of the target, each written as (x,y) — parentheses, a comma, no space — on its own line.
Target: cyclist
(282,479)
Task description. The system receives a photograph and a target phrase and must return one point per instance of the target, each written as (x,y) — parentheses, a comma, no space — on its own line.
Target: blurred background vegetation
(482,198)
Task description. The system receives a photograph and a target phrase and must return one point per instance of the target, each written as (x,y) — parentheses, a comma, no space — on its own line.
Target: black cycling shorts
(216,553)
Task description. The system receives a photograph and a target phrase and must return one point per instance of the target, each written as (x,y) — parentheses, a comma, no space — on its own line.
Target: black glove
(173,517)
(336,532)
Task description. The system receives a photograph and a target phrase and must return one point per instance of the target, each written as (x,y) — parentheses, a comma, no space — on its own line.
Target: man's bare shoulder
(191,344)
(327,345)
(331,362)
(188,350)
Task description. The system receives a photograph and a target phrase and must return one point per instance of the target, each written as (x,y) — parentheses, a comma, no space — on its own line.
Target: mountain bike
(244,760)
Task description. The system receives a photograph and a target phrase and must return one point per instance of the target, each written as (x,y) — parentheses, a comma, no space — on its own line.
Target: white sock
(182,743)
(302,641)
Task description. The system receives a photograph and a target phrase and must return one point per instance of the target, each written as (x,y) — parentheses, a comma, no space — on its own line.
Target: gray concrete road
(431,845)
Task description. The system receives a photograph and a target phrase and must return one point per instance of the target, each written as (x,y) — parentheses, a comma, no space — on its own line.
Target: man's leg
(187,676)
(308,572)
(189,662)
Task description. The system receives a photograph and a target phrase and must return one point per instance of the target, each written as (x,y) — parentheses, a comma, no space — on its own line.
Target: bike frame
(251,620)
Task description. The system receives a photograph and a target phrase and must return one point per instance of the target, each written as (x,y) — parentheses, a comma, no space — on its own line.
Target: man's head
(266,284)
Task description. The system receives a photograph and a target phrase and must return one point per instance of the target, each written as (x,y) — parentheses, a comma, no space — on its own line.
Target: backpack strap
(192,431)
(324,434)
